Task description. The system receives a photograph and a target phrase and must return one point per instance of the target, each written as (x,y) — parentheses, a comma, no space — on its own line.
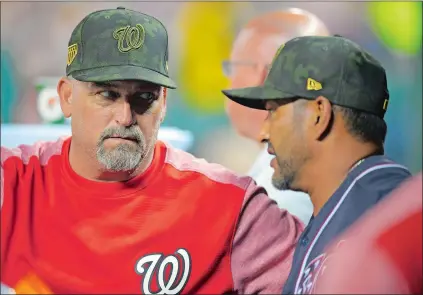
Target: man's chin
(280,183)
(124,157)
(124,165)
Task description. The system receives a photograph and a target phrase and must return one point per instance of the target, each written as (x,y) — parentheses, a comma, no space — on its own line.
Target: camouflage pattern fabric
(312,66)
(119,44)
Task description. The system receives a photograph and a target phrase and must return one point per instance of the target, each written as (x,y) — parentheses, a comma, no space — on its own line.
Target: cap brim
(128,72)
(255,97)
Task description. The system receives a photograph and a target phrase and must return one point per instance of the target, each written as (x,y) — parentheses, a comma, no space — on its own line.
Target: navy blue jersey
(366,184)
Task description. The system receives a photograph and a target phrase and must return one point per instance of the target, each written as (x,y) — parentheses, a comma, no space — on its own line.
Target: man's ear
(64,89)
(322,116)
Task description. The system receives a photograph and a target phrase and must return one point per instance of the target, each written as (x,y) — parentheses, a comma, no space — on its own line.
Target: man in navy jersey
(326,99)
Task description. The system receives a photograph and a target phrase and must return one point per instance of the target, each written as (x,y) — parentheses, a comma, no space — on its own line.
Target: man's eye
(147,96)
(109,94)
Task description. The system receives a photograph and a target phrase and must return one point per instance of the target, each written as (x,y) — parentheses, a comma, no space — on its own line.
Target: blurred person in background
(251,55)
(326,98)
(382,252)
(111,209)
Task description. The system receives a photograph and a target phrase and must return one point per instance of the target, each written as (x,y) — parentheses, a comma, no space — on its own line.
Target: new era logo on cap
(313,84)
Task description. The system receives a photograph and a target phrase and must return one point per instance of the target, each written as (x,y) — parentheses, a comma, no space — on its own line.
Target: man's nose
(125,115)
(264,132)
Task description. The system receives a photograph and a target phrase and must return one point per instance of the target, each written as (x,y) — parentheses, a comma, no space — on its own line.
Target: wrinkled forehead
(251,45)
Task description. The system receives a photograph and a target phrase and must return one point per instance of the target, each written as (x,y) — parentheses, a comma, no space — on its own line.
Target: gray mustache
(132,132)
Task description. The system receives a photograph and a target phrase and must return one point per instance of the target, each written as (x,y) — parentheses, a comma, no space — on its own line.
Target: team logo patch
(164,274)
(129,38)
(72,52)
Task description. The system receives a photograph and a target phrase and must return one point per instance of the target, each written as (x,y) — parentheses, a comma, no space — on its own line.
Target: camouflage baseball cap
(333,67)
(119,44)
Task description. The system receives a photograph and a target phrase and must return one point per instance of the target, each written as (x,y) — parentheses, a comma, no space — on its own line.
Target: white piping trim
(334,210)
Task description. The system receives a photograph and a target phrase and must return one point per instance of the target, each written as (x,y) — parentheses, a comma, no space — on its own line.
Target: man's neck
(88,167)
(329,170)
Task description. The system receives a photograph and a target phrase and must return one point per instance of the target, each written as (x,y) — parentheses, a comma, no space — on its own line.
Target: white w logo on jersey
(157,264)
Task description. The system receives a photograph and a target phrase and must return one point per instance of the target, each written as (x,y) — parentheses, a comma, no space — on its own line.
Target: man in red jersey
(113,210)
(382,252)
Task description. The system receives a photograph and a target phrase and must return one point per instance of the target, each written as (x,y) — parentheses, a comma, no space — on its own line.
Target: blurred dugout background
(34,38)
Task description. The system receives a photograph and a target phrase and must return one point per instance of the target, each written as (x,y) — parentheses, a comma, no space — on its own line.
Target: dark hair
(363,126)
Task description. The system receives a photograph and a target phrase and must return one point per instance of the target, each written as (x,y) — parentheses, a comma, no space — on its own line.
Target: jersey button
(304,241)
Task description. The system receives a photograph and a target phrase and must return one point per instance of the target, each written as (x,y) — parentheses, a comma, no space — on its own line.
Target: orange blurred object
(32,284)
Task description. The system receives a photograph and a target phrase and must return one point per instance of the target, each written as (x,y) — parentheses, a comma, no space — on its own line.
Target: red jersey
(183,226)
(382,252)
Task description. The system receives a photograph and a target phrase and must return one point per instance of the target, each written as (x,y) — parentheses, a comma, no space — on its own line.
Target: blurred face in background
(249,63)
(116,122)
(252,53)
